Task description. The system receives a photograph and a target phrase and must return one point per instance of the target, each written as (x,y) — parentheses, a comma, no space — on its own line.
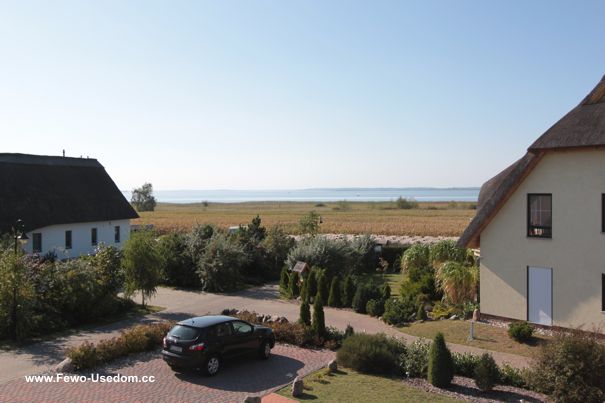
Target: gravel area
(465,389)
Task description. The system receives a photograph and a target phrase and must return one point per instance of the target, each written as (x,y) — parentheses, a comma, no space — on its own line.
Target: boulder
(453,317)
(297,387)
(333,366)
(64,366)
(252,399)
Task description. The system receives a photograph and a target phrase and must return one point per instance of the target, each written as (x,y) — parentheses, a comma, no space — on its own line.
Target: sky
(293,94)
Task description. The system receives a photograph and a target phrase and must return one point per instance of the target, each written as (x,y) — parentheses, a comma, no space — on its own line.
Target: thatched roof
(43,190)
(584,126)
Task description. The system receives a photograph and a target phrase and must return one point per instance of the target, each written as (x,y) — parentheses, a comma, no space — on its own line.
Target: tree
(322,287)
(441,364)
(309,224)
(334,297)
(348,291)
(107,263)
(312,283)
(16,295)
(486,372)
(178,269)
(305,314)
(304,291)
(284,280)
(142,198)
(142,264)
(319,324)
(294,287)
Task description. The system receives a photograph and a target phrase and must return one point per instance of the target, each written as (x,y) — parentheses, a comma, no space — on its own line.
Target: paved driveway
(183,304)
(237,379)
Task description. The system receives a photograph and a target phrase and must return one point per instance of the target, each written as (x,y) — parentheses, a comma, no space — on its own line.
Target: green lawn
(486,336)
(394,280)
(349,386)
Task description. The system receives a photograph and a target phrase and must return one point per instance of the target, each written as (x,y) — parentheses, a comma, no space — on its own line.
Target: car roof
(207,320)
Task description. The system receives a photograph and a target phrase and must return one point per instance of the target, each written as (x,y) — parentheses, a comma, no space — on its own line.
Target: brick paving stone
(238,378)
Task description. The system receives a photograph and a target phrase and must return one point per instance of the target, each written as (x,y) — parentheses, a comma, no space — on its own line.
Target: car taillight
(164,343)
(197,347)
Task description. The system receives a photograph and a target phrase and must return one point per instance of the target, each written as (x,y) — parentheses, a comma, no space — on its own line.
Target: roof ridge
(33,159)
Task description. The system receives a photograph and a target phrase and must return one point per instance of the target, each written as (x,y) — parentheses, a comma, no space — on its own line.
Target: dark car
(204,342)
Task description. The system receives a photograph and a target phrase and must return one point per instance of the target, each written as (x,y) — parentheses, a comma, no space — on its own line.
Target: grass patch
(394,280)
(349,386)
(486,336)
(430,219)
(136,311)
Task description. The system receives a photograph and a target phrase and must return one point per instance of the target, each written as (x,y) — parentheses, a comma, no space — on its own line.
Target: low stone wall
(390,239)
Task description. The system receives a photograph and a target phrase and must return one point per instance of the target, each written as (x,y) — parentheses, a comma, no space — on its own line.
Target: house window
(93,236)
(67,239)
(37,242)
(116,234)
(539,215)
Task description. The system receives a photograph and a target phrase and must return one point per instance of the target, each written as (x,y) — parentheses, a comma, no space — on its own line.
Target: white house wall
(53,237)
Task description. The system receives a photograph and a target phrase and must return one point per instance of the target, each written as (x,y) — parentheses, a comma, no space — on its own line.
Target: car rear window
(184,332)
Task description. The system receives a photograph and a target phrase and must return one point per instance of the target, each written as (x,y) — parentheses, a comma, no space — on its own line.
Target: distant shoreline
(316,195)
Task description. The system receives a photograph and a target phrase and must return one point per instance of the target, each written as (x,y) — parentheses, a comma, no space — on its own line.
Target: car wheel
(212,365)
(265,350)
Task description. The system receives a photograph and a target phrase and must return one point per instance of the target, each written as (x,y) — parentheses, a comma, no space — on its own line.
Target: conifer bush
(294,287)
(486,372)
(334,297)
(305,314)
(318,326)
(441,364)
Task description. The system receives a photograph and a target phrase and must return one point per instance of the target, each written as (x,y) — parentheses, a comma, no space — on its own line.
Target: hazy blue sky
(293,94)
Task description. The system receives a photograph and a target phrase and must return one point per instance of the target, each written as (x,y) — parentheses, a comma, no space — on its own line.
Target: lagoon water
(314,195)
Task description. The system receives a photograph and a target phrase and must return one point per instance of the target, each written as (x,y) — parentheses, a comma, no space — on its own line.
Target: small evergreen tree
(322,288)
(386,292)
(486,372)
(349,331)
(319,325)
(294,287)
(304,291)
(305,314)
(334,297)
(348,291)
(284,280)
(421,313)
(441,364)
(312,284)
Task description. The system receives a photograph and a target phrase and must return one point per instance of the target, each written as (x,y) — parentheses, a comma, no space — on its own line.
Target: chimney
(63,153)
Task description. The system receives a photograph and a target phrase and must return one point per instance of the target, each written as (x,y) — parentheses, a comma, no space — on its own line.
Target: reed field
(428,219)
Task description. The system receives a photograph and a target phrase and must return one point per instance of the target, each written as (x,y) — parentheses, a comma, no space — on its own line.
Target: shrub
(375,307)
(349,331)
(457,281)
(305,314)
(318,326)
(332,255)
(334,298)
(398,311)
(385,293)
(284,281)
(442,310)
(198,239)
(363,294)
(416,256)
(421,313)
(486,372)
(520,331)
(322,287)
(309,224)
(441,365)
(415,361)
(406,204)
(465,364)
(370,353)
(294,287)
(516,377)
(133,340)
(447,251)
(362,254)
(276,246)
(570,368)
(312,283)
(178,266)
(220,267)
(348,291)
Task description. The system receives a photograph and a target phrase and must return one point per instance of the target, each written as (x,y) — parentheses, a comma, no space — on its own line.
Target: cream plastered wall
(576,252)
